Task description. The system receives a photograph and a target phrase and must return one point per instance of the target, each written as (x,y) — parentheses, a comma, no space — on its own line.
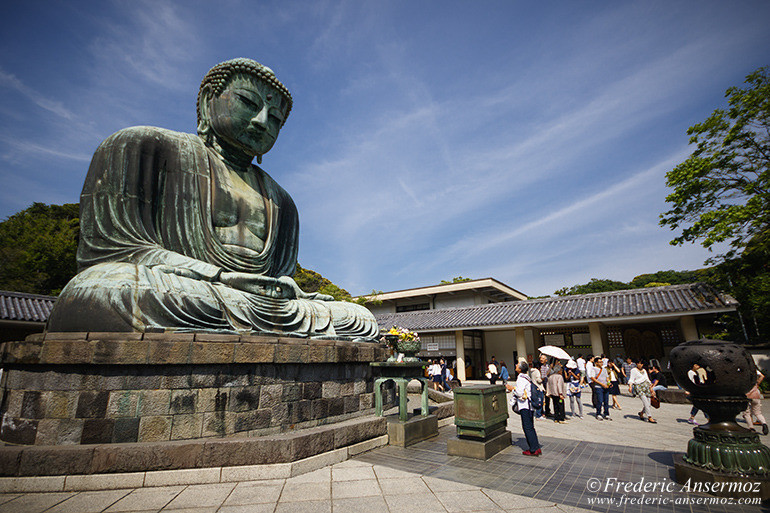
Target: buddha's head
(242,106)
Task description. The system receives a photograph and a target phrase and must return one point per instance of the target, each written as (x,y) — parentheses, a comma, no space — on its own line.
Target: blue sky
(527,141)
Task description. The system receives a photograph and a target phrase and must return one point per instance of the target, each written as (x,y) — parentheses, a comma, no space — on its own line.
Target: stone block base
(128,458)
(721,484)
(478,449)
(102,388)
(414,430)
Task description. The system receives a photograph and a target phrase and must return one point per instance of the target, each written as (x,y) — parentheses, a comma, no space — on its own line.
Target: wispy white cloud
(30,150)
(154,40)
(575,212)
(518,149)
(11,81)
(409,192)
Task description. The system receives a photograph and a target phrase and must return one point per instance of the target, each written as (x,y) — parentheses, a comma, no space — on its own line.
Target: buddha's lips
(260,135)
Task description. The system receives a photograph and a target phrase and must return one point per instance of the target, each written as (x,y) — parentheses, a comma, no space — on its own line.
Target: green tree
(38,247)
(595,285)
(747,278)
(311,281)
(669,277)
(456,279)
(372,298)
(721,193)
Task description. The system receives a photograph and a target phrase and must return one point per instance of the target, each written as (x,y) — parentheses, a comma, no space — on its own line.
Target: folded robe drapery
(145,210)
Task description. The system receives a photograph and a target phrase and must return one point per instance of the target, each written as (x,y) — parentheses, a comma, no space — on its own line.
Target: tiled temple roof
(20,306)
(653,301)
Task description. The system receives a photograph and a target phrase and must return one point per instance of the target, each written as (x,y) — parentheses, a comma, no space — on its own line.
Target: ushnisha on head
(241,107)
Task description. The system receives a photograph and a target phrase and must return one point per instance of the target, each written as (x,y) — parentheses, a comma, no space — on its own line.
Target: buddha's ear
(205,99)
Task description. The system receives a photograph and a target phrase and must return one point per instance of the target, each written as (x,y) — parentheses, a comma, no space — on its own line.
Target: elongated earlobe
(203,123)
(259,158)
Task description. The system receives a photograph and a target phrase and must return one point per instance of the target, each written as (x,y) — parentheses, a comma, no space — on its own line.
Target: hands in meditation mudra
(181,232)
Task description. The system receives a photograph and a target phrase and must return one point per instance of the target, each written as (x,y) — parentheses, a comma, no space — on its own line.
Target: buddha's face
(247,115)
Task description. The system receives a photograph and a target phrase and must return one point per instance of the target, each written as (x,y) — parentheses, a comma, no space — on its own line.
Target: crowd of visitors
(440,375)
(553,382)
(540,391)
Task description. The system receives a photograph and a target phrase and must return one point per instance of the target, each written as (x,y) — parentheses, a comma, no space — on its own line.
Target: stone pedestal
(479,449)
(94,388)
(730,449)
(722,484)
(411,431)
(481,415)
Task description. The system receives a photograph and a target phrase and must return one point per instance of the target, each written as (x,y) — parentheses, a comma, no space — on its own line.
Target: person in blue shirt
(504,373)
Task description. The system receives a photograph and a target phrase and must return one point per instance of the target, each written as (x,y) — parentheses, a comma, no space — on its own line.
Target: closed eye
(247,101)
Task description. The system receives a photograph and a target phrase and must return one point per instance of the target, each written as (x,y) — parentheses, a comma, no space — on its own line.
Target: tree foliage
(656,279)
(311,281)
(456,279)
(595,285)
(38,247)
(670,277)
(721,193)
(747,278)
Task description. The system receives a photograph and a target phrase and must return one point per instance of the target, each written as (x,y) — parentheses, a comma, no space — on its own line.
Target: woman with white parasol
(546,371)
(554,351)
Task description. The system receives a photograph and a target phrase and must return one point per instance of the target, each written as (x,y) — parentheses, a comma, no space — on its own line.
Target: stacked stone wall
(95,388)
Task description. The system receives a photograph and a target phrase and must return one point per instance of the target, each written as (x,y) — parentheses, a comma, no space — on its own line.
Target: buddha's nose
(261,118)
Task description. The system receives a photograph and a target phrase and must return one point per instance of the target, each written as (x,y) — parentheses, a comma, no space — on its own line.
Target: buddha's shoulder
(150,135)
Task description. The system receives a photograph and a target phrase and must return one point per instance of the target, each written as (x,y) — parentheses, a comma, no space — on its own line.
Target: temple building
(474,320)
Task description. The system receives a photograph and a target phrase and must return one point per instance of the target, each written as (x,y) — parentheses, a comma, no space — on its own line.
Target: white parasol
(556,352)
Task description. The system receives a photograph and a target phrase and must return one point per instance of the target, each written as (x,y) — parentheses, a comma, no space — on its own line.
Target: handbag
(754,393)
(655,402)
(515,404)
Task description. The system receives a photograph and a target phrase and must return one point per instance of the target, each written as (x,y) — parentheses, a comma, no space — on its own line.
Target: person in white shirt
(590,372)
(492,371)
(435,375)
(639,385)
(581,365)
(521,393)
(534,376)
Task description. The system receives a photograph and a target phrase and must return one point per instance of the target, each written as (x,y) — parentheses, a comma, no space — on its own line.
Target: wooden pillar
(599,342)
(521,344)
(689,328)
(537,338)
(460,348)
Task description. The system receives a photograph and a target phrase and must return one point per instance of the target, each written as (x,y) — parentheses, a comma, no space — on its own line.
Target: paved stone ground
(351,486)
(423,478)
(671,433)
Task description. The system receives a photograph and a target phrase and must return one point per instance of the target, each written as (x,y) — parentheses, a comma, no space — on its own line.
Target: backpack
(535,399)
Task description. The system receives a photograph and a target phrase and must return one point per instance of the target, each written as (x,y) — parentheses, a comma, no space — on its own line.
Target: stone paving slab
(379,489)
(671,433)
(561,477)
(423,477)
